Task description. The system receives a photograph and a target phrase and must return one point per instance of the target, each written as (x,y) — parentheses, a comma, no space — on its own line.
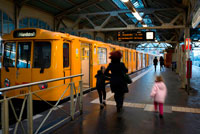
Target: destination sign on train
(136,36)
(24,33)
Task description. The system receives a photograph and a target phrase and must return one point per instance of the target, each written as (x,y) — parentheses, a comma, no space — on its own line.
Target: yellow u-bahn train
(32,54)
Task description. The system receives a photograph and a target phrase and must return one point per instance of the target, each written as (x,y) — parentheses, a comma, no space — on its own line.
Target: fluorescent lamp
(137,16)
(124,0)
(144,25)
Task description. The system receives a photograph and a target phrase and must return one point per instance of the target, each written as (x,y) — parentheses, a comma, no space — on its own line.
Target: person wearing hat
(117,83)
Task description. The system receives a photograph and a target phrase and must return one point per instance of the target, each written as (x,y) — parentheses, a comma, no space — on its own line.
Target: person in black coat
(100,85)
(161,63)
(117,83)
(155,62)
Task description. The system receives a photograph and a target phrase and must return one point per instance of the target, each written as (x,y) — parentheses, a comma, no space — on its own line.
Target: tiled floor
(181,112)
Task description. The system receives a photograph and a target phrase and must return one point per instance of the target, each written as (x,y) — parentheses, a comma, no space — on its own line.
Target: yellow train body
(37,54)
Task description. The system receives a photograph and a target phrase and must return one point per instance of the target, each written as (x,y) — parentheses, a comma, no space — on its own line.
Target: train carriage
(32,54)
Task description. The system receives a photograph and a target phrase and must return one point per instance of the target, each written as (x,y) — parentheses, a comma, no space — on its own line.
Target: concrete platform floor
(181,112)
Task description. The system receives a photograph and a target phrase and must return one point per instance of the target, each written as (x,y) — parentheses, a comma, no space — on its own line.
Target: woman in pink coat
(159,93)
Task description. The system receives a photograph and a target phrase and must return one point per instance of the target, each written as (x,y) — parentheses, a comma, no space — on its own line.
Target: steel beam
(90,21)
(145,10)
(105,22)
(161,21)
(132,27)
(125,23)
(175,19)
(142,42)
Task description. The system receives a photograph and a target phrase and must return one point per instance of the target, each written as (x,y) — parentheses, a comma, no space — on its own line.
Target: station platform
(181,112)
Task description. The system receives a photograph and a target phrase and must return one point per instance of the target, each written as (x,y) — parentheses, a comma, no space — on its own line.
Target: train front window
(42,55)
(23,54)
(9,54)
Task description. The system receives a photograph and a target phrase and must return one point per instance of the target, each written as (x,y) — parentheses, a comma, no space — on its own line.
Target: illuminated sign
(136,36)
(188,43)
(24,33)
(150,35)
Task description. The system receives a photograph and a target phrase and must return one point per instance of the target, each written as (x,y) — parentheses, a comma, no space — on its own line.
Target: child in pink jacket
(159,93)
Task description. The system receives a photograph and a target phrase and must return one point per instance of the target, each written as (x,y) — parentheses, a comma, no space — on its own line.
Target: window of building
(9,54)
(102,55)
(6,23)
(23,55)
(65,55)
(42,55)
(86,35)
(34,23)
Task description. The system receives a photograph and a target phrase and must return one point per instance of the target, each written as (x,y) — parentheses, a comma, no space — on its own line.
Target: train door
(126,58)
(44,53)
(66,65)
(144,60)
(137,61)
(23,64)
(85,64)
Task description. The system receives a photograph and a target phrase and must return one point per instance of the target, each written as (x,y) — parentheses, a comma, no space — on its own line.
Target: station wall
(7,7)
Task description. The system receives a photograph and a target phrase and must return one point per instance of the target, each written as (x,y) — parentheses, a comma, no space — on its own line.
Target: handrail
(76,105)
(36,83)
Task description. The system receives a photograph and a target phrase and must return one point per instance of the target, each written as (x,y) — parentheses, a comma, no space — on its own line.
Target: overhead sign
(24,33)
(136,36)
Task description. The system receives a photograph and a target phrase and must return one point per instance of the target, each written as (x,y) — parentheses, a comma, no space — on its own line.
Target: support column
(16,15)
(185,57)
(178,58)
(187,35)
(94,35)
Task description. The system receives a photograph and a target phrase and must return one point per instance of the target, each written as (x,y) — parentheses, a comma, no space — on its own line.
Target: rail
(76,105)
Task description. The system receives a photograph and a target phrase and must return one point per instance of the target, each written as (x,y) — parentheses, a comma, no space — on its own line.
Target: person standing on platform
(155,62)
(100,85)
(159,93)
(161,63)
(117,83)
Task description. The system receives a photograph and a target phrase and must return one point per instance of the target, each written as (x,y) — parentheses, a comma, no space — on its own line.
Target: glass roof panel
(120,4)
(136,4)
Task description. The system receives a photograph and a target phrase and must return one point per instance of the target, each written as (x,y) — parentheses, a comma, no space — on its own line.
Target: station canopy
(165,17)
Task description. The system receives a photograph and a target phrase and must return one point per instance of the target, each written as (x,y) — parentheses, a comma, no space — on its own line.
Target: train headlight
(7,82)
(43,86)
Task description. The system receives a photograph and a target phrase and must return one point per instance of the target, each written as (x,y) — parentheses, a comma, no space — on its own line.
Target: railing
(76,105)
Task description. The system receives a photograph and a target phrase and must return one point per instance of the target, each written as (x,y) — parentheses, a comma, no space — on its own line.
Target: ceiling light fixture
(137,16)
(144,25)
(124,0)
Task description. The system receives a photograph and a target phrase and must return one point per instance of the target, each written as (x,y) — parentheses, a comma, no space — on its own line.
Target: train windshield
(23,54)
(9,54)
(42,55)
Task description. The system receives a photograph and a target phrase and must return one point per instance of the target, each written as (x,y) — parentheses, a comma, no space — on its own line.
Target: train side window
(42,55)
(65,54)
(102,55)
(9,54)
(23,54)
(133,56)
(122,56)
